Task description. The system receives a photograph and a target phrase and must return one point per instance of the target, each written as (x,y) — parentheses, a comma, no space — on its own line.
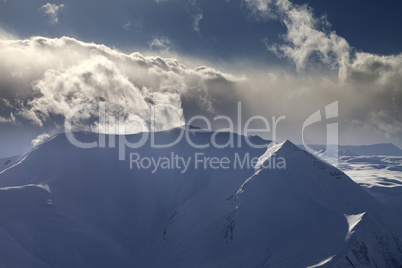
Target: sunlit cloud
(161,43)
(40,139)
(52,12)
(75,72)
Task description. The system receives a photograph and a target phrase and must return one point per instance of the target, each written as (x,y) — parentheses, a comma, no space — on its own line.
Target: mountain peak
(287,144)
(283,149)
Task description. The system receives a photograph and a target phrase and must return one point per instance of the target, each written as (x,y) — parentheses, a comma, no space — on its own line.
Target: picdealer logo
(146,130)
(331,151)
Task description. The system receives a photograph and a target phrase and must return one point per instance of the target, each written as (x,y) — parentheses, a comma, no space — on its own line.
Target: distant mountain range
(353,150)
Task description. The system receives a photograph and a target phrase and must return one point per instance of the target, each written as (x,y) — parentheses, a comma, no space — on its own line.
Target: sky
(276,57)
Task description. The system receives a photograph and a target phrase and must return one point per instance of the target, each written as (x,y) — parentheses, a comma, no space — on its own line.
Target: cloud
(133,25)
(40,139)
(307,38)
(262,9)
(194,9)
(10,119)
(370,68)
(52,11)
(127,26)
(45,78)
(4,35)
(369,85)
(196,21)
(5,107)
(161,43)
(377,80)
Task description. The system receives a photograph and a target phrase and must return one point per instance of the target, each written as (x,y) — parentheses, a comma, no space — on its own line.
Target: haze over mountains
(62,206)
(353,150)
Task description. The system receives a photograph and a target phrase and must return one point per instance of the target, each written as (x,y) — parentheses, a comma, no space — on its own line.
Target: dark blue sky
(369,25)
(227,30)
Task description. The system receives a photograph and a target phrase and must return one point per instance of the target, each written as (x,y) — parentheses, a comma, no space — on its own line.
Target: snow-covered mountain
(62,206)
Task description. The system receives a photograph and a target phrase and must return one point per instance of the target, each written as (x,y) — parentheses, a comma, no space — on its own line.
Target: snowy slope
(380,176)
(8,162)
(62,206)
(306,213)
